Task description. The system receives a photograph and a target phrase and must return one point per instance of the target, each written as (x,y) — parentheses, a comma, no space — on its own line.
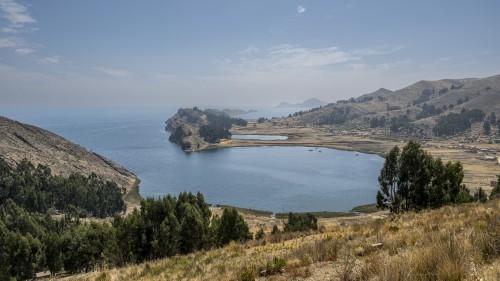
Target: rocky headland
(195,129)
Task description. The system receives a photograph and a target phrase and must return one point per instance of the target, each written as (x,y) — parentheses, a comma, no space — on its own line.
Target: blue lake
(268,178)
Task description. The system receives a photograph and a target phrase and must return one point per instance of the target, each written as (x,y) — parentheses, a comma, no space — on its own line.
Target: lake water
(268,178)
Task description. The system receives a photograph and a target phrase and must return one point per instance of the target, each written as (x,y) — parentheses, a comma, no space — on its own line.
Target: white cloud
(285,58)
(25,51)
(250,50)
(357,66)
(396,64)
(301,9)
(114,72)
(10,42)
(51,60)
(17,15)
(378,50)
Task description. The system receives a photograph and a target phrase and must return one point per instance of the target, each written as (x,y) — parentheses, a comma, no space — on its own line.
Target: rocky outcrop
(195,129)
(184,126)
(18,141)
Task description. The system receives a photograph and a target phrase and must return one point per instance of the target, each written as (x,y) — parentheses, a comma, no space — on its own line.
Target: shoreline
(478,173)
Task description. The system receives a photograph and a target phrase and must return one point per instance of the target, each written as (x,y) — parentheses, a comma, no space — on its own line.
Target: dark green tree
(493,119)
(232,227)
(413,180)
(480,195)
(495,193)
(414,176)
(301,222)
(388,180)
(487,127)
(192,230)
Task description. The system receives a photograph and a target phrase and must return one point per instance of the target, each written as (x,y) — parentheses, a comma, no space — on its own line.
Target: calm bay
(268,178)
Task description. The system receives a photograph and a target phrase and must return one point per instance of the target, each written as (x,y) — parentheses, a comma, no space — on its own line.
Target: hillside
(451,243)
(424,103)
(18,141)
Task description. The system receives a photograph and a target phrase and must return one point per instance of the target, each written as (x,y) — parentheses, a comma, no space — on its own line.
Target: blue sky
(241,53)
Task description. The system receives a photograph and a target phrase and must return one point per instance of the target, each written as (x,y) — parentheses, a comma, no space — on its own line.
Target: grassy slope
(452,243)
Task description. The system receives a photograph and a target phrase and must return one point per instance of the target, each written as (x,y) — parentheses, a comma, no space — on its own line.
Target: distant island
(309,103)
(236,112)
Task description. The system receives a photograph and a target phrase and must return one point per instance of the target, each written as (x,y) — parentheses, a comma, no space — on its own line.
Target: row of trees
(454,123)
(37,190)
(411,179)
(32,239)
(339,116)
(32,242)
(224,120)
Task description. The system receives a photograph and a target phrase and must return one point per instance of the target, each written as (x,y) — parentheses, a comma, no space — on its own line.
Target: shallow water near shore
(278,179)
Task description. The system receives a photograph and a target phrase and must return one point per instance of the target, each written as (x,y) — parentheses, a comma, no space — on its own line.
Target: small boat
(310,150)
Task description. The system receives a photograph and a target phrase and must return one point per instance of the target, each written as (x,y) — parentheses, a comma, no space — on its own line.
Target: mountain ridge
(445,96)
(40,146)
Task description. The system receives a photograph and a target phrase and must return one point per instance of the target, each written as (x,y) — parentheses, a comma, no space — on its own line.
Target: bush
(301,222)
(248,274)
(260,234)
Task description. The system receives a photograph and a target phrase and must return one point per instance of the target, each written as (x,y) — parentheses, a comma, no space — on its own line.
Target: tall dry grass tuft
(486,239)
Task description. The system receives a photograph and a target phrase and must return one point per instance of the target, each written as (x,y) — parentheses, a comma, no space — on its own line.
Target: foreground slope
(18,141)
(452,243)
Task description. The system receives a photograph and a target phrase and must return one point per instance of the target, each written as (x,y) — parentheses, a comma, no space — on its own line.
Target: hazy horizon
(235,53)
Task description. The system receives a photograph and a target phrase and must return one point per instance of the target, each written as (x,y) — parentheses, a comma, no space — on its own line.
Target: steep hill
(18,141)
(423,103)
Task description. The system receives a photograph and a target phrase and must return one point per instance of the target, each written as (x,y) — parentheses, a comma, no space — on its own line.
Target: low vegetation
(37,190)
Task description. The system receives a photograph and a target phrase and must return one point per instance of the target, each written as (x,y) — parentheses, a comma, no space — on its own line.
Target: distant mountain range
(309,103)
(417,107)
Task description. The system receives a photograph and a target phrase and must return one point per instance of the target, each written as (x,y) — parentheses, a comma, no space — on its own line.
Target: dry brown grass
(452,243)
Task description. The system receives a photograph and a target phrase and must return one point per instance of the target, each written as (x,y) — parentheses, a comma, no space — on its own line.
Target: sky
(236,53)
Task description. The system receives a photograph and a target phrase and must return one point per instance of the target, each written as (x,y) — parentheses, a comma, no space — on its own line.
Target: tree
(495,193)
(301,222)
(192,230)
(275,229)
(480,195)
(232,227)
(493,119)
(260,234)
(486,127)
(438,190)
(388,180)
(414,176)
(413,180)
